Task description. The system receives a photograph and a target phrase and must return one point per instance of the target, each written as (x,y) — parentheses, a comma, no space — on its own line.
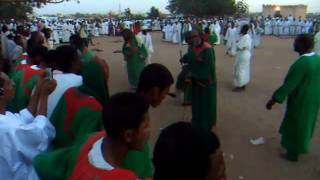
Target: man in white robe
(147,41)
(26,134)
(242,63)
(217,30)
(175,33)
(231,38)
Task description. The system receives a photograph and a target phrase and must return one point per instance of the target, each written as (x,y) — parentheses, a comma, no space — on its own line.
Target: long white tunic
(242,63)
(317,43)
(174,33)
(22,137)
(231,37)
(217,30)
(147,41)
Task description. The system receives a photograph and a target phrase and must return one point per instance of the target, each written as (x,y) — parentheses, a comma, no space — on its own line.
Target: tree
(15,10)
(202,7)
(127,13)
(242,9)
(154,13)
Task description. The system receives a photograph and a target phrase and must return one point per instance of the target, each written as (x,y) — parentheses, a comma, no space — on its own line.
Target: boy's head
(37,54)
(18,40)
(154,83)
(36,39)
(126,119)
(303,43)
(68,60)
(6,88)
(184,152)
(50,59)
(77,42)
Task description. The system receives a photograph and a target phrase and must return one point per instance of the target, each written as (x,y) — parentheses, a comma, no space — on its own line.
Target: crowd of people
(58,120)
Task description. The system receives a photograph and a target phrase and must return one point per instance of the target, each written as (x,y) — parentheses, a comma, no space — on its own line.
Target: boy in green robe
(154,84)
(26,78)
(127,124)
(82,45)
(135,55)
(201,60)
(301,86)
(78,112)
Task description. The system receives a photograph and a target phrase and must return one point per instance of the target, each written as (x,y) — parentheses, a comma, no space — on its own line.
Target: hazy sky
(104,6)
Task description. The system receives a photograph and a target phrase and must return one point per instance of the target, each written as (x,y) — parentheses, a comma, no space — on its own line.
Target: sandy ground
(241,116)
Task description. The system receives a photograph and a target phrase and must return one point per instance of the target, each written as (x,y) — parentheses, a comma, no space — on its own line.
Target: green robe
(213,39)
(94,82)
(25,80)
(204,90)
(302,87)
(75,115)
(135,60)
(87,56)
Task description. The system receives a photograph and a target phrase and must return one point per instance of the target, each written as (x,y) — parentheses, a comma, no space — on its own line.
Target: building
(294,10)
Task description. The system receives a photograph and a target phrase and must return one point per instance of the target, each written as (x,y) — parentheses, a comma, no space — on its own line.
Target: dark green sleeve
(294,77)
(213,39)
(126,50)
(204,69)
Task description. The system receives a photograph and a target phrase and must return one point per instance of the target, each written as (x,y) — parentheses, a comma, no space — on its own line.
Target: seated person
(184,152)
(25,134)
(127,124)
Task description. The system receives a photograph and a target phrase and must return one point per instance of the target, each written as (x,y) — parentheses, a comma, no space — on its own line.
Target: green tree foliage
(242,9)
(127,13)
(154,13)
(202,7)
(9,10)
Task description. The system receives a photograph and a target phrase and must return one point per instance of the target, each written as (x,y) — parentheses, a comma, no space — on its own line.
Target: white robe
(167,32)
(174,33)
(147,41)
(231,37)
(317,43)
(66,33)
(64,82)
(217,30)
(286,28)
(22,137)
(242,63)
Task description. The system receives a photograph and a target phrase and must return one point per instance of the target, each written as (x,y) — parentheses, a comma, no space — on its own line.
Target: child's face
(140,136)
(158,96)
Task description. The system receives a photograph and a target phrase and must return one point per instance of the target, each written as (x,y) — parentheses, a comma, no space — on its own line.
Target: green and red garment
(136,60)
(25,80)
(73,163)
(87,56)
(75,115)
(204,88)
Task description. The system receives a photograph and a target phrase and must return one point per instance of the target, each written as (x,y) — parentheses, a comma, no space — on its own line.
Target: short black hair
(47,33)
(77,42)
(51,57)
(31,42)
(183,152)
(124,111)
(245,28)
(305,41)
(37,50)
(154,75)
(66,55)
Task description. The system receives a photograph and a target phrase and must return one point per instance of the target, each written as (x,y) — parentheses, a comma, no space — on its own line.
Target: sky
(142,6)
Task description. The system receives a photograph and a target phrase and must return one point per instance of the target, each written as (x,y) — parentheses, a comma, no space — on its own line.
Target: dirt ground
(241,116)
